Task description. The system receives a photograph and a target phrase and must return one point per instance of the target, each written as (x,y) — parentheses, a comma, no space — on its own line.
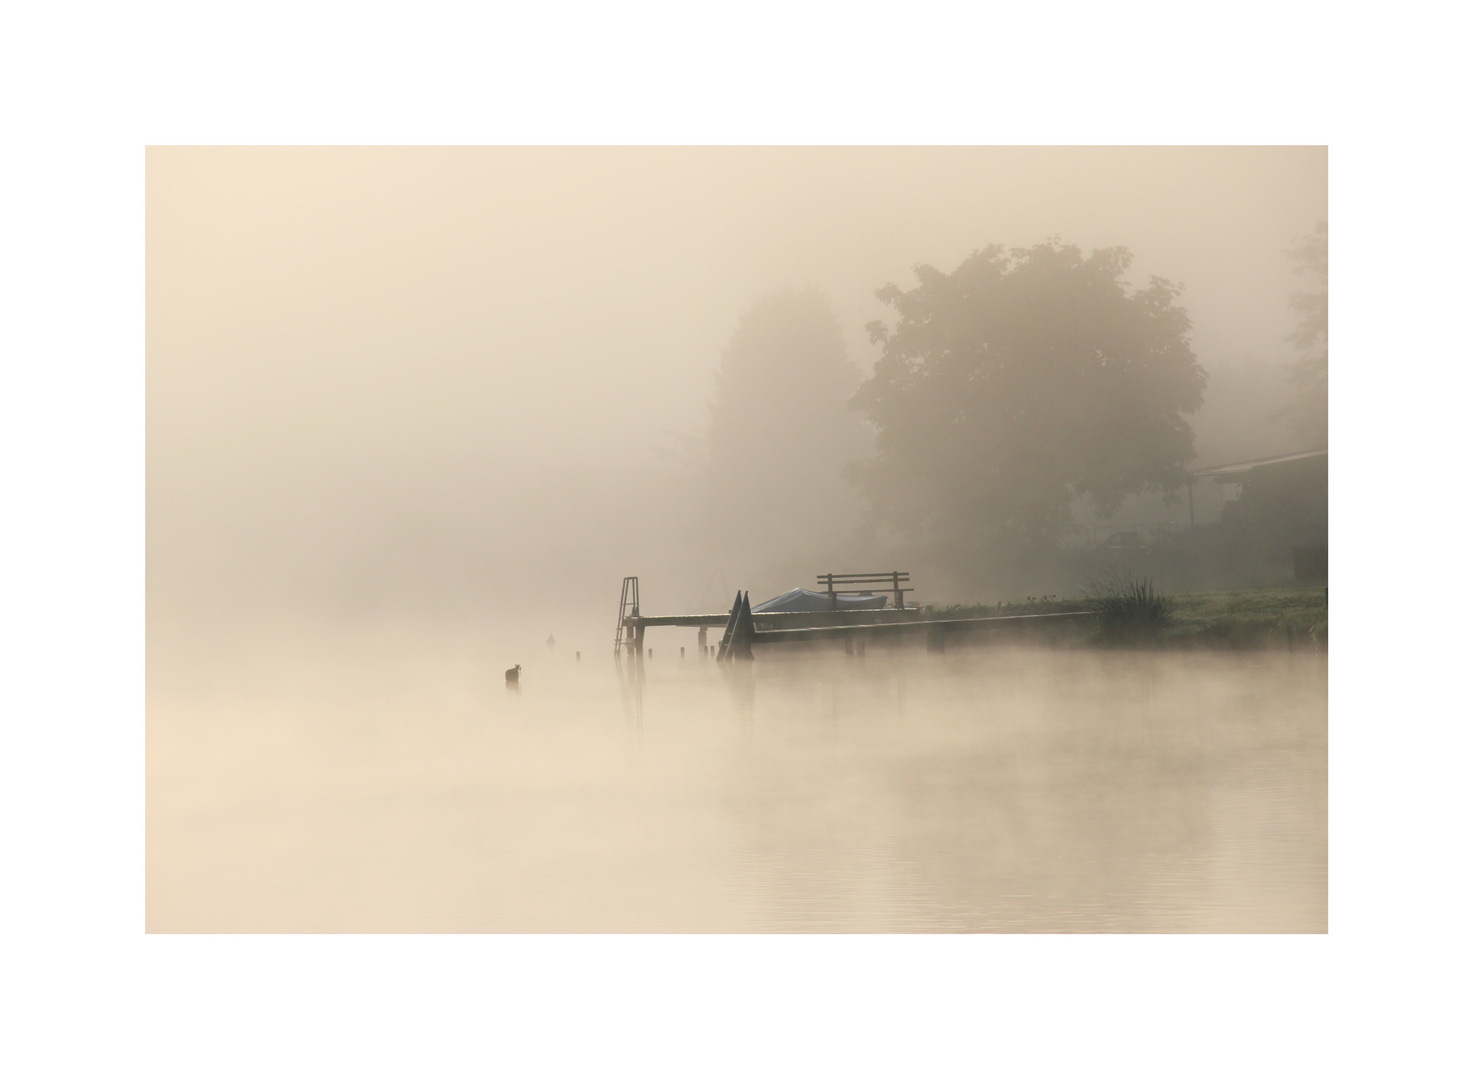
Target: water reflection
(976,790)
(742,685)
(630,670)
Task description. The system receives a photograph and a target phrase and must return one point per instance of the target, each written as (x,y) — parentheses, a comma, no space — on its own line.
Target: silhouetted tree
(1309,413)
(780,433)
(1019,381)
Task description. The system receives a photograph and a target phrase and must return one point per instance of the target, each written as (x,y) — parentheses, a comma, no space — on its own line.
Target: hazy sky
(548,301)
(382,369)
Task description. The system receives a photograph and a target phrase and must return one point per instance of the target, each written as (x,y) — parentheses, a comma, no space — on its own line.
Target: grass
(1248,618)
(1033,605)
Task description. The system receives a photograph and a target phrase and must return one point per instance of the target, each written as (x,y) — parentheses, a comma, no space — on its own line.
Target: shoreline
(1278,617)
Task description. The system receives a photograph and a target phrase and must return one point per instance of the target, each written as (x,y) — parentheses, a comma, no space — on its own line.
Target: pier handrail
(908,626)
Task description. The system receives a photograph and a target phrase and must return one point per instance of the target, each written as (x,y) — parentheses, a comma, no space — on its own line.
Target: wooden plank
(842,617)
(678,620)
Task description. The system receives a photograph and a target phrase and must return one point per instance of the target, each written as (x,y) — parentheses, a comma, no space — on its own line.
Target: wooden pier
(854,627)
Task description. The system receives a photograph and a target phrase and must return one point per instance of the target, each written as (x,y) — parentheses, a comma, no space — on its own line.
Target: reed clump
(1131,610)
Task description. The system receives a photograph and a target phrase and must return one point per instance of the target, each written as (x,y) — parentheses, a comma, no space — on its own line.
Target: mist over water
(383,781)
(411,412)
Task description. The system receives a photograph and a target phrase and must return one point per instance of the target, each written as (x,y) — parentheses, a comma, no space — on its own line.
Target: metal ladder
(625,637)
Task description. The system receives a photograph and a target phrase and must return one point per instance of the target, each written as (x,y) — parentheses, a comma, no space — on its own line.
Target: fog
(388,383)
(413,414)
(388,782)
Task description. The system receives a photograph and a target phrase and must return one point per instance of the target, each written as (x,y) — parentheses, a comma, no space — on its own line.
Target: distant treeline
(1023,382)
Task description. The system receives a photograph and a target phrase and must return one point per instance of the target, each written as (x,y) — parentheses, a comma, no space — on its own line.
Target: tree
(1309,413)
(1019,381)
(780,432)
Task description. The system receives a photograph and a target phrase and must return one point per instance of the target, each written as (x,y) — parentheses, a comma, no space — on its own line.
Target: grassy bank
(1249,618)
(1228,619)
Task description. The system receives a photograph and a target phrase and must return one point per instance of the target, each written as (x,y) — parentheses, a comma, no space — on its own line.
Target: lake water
(395,784)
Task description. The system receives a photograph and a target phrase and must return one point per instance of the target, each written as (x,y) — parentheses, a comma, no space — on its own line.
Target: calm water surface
(400,786)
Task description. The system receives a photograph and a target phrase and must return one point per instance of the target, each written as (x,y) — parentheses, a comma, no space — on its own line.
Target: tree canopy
(1309,413)
(1020,381)
(780,432)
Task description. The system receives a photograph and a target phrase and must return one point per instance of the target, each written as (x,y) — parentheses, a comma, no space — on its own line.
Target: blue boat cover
(804,600)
